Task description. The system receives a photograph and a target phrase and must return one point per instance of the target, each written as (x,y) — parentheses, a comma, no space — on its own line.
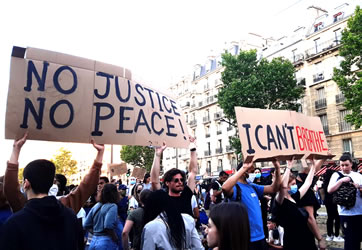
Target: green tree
(249,82)
(64,164)
(138,156)
(349,76)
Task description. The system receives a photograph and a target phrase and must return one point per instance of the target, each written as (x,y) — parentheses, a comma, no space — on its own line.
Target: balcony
(206,119)
(218,83)
(344,126)
(187,104)
(218,115)
(326,129)
(207,135)
(218,151)
(207,153)
(321,103)
(229,148)
(193,123)
(301,82)
(322,48)
(219,132)
(318,77)
(340,98)
(297,59)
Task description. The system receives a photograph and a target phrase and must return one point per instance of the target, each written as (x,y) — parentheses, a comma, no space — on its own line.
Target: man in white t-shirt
(351,218)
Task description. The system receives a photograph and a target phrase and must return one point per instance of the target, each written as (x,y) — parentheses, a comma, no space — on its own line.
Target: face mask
(53,190)
(293,189)
(132,182)
(251,177)
(258,175)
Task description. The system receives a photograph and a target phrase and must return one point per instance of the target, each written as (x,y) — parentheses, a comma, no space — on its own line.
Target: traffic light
(128,172)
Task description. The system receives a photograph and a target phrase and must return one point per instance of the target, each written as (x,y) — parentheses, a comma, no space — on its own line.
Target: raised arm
(227,187)
(11,180)
(76,199)
(284,185)
(308,181)
(191,182)
(274,187)
(155,170)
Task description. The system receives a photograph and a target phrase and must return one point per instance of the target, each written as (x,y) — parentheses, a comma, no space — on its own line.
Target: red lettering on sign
(297,128)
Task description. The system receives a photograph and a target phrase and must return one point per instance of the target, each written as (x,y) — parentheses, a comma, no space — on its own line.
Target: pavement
(322,224)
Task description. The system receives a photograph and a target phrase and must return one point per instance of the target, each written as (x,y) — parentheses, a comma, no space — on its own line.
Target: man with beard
(175,179)
(237,188)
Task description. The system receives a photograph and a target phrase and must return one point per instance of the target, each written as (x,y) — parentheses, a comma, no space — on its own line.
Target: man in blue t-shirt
(250,195)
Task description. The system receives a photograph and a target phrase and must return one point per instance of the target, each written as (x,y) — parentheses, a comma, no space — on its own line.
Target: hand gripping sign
(266,134)
(58,97)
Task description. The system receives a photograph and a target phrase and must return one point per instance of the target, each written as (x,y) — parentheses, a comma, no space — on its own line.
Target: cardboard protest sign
(117,169)
(266,134)
(58,97)
(138,173)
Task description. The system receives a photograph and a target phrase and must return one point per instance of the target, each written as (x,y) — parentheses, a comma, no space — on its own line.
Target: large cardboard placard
(117,168)
(266,134)
(139,173)
(58,97)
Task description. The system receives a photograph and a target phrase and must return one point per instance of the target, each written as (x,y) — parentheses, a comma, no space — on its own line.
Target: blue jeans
(102,243)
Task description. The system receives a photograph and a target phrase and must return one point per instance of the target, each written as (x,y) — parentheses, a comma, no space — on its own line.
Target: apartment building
(312,48)
(197,95)
(314,51)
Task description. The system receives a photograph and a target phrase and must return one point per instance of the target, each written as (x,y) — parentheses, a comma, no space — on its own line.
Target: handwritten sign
(58,97)
(266,134)
(139,173)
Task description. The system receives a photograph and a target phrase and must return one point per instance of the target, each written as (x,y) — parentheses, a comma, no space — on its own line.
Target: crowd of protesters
(245,211)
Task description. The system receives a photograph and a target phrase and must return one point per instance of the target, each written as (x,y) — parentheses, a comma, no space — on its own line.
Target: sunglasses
(176,180)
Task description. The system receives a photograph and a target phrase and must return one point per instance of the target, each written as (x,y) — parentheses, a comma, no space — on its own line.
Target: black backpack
(345,194)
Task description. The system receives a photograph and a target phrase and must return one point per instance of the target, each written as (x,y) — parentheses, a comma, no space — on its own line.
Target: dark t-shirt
(297,235)
(137,217)
(183,202)
(216,186)
(309,199)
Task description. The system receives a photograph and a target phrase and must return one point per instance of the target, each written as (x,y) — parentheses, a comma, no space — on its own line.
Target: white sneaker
(330,238)
(338,239)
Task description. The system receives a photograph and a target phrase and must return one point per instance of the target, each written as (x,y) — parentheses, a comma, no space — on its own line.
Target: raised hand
(160,149)
(20,142)
(99,147)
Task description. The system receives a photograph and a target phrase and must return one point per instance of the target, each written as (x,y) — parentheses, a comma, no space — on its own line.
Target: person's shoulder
(188,218)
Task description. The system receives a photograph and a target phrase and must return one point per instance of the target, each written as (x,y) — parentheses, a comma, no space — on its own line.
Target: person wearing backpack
(216,194)
(237,188)
(351,217)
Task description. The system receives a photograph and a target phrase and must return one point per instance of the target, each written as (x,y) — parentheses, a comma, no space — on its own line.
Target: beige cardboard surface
(117,169)
(100,103)
(139,173)
(266,134)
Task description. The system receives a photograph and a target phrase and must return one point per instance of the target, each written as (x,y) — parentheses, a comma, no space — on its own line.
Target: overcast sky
(158,40)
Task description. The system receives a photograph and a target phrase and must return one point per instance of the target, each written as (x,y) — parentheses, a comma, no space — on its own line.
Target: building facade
(314,51)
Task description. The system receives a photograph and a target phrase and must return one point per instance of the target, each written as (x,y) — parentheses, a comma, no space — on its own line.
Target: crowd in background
(249,209)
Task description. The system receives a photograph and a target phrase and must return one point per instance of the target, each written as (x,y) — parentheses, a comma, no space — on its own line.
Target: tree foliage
(249,82)
(138,156)
(348,76)
(64,164)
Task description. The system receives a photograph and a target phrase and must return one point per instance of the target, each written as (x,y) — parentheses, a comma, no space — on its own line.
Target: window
(233,162)
(338,16)
(337,36)
(316,44)
(320,93)
(219,165)
(208,146)
(343,124)
(318,26)
(324,122)
(220,143)
(347,146)
(208,167)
